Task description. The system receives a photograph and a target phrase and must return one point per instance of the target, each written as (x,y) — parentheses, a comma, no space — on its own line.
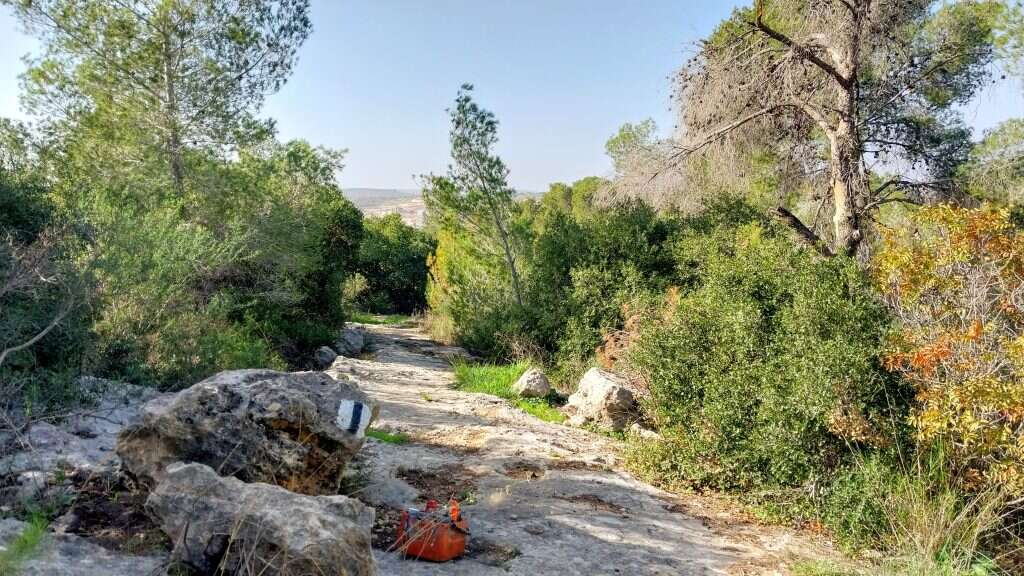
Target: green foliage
(42,334)
(388,437)
(493,379)
(581,279)
(995,170)
(172,75)
(474,199)
(575,200)
(853,507)
(393,260)
(631,141)
(497,380)
(23,546)
(200,243)
(765,370)
(237,283)
(917,514)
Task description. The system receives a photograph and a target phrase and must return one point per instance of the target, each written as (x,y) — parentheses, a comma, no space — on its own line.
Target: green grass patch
(390,438)
(368,318)
(497,380)
(23,547)
(539,408)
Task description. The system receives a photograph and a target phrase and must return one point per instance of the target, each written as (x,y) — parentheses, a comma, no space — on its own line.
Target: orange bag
(432,536)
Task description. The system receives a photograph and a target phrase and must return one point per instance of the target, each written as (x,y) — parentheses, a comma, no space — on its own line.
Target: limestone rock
(86,438)
(70,555)
(604,399)
(324,356)
(226,523)
(351,341)
(532,384)
(296,430)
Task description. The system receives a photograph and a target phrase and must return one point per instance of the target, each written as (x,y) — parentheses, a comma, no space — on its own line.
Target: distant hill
(370,197)
(404,201)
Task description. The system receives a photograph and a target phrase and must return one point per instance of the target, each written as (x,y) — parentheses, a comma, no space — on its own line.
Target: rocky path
(542,498)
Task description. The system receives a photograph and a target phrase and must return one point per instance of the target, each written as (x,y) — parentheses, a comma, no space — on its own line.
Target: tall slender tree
(475,194)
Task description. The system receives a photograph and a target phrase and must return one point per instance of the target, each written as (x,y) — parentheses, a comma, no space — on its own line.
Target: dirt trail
(544,498)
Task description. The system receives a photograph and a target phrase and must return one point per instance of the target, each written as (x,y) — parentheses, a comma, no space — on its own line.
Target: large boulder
(232,527)
(351,341)
(532,384)
(297,430)
(603,399)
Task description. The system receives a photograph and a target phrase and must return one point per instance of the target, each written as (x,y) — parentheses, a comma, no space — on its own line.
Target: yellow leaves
(955,278)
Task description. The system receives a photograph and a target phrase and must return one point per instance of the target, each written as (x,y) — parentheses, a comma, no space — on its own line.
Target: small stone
(324,356)
(635,429)
(532,384)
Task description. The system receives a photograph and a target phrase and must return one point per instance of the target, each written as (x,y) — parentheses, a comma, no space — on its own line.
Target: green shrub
(393,259)
(765,370)
(916,513)
(38,283)
(853,506)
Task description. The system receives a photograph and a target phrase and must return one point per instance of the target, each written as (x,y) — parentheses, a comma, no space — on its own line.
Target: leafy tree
(393,259)
(183,73)
(630,141)
(995,170)
(576,199)
(835,84)
(475,194)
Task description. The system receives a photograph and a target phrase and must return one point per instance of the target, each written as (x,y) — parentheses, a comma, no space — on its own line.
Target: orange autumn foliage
(955,279)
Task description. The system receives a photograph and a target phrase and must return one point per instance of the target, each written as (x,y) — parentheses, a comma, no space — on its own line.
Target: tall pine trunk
(848,184)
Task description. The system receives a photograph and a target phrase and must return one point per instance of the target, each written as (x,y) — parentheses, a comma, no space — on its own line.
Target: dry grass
(939,532)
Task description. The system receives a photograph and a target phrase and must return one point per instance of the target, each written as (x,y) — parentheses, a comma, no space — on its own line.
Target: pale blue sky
(376,76)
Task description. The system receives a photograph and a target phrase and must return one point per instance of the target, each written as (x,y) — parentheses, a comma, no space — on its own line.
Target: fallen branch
(806,235)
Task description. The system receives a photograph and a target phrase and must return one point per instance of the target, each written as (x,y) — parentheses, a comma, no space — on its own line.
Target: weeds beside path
(497,380)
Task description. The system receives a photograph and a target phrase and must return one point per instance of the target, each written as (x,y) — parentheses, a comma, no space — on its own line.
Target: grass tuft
(388,437)
(497,380)
(23,547)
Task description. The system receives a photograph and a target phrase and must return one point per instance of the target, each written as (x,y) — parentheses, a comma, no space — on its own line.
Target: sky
(376,77)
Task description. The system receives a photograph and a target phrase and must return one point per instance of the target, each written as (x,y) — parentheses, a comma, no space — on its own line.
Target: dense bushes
(41,334)
(244,271)
(763,371)
(248,276)
(579,274)
(393,262)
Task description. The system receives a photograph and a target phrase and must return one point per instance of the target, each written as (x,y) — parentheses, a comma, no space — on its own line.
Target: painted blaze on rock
(296,430)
